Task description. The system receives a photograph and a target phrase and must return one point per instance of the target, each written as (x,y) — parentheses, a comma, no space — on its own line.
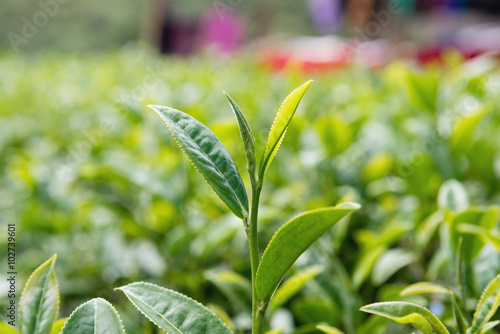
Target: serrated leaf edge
(175,292)
(52,273)
(403,302)
(347,205)
(244,210)
(267,157)
(483,296)
(87,302)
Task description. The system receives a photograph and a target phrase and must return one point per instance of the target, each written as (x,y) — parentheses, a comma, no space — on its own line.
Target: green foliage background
(88,172)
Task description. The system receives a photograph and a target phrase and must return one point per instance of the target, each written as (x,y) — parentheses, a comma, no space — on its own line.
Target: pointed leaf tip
(246,134)
(39,304)
(173,312)
(487,306)
(209,156)
(280,125)
(96,316)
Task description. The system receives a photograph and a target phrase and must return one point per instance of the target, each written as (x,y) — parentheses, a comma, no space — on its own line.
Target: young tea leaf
(329,329)
(458,316)
(408,313)
(209,157)
(39,304)
(293,285)
(246,133)
(291,240)
(96,316)
(280,124)
(172,311)
(424,287)
(487,306)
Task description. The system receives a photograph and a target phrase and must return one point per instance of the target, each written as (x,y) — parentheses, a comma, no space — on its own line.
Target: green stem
(259,319)
(253,242)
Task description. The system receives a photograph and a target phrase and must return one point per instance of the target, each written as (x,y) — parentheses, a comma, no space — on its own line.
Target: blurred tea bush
(88,172)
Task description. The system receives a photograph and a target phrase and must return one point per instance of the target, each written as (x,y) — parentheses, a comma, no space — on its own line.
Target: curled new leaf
(280,124)
(39,305)
(246,133)
(291,240)
(458,316)
(96,316)
(209,156)
(408,313)
(172,311)
(487,306)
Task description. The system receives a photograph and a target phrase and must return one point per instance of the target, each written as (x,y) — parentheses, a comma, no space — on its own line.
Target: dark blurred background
(277,29)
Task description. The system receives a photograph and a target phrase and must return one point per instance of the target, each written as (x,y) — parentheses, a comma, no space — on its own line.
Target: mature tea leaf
(39,304)
(291,240)
(408,313)
(96,316)
(209,156)
(487,306)
(172,311)
(280,124)
(245,131)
